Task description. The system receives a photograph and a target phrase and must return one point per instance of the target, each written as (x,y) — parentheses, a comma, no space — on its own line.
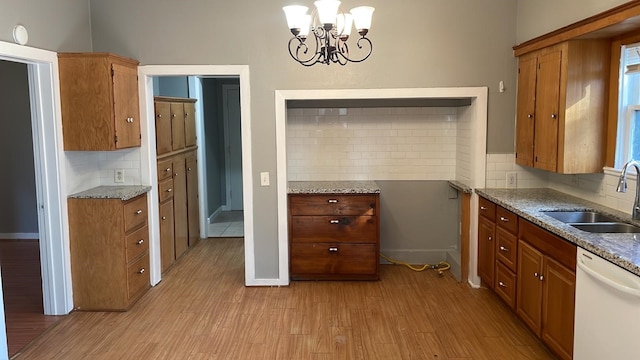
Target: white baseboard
(415,256)
(19,236)
(215,213)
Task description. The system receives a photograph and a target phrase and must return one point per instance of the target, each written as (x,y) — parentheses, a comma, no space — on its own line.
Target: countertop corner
(333,187)
(122,192)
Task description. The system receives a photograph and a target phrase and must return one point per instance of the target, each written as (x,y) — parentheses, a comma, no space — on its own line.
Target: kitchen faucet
(622,186)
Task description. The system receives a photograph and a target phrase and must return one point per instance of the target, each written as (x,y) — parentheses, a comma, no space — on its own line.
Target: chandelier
(331,28)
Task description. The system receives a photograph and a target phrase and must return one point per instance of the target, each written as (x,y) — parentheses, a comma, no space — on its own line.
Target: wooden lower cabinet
(178,203)
(109,245)
(546,281)
(334,236)
(486,251)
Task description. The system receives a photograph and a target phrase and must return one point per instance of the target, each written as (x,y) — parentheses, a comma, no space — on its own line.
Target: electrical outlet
(512,180)
(264,178)
(118,175)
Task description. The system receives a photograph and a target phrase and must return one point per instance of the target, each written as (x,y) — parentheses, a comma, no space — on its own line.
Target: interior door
(231,111)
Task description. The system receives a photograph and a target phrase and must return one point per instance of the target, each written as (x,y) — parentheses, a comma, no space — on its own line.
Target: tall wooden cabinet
(561,107)
(109,244)
(486,242)
(99,101)
(177,177)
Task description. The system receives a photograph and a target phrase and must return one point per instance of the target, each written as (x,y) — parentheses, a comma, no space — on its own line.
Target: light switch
(264,178)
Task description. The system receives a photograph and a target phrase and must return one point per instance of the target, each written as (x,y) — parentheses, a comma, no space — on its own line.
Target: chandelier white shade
(331,29)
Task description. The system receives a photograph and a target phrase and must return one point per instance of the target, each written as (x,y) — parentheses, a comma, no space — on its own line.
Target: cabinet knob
(501,284)
(541,277)
(164,218)
(138,212)
(159,115)
(140,242)
(333,249)
(332,201)
(334,221)
(553,116)
(141,271)
(173,115)
(188,169)
(536,274)
(169,190)
(530,116)
(490,238)
(167,169)
(502,248)
(186,114)
(504,219)
(483,208)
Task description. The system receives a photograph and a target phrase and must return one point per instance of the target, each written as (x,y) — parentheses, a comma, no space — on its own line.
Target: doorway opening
(198,78)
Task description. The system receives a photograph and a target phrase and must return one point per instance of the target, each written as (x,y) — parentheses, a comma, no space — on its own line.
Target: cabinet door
(125,106)
(193,211)
(529,286)
(547,111)
(558,307)
(486,251)
(180,206)
(525,117)
(190,124)
(163,127)
(167,247)
(177,126)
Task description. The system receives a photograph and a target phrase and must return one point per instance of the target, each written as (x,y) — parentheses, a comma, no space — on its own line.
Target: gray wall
(214,145)
(175,86)
(418,215)
(556,14)
(57,25)
(18,213)
(416,44)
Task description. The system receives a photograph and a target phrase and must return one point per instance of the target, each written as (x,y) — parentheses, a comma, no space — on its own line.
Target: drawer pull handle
(334,221)
(140,242)
(502,248)
(501,284)
(141,271)
(333,201)
(138,212)
(333,249)
(490,238)
(541,278)
(536,274)
(167,169)
(164,218)
(483,208)
(169,190)
(504,219)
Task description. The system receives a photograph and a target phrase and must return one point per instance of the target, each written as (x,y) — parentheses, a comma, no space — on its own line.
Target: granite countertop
(122,192)
(460,186)
(332,187)
(621,249)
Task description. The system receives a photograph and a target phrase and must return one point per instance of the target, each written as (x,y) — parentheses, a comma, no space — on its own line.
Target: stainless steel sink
(592,221)
(607,227)
(579,216)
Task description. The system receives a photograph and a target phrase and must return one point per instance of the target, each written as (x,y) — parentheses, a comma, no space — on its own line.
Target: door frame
(148,155)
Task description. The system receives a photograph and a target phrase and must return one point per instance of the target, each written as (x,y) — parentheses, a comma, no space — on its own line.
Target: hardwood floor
(202,310)
(22,290)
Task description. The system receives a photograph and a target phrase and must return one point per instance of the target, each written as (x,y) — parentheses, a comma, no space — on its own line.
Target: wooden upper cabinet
(175,124)
(561,107)
(99,101)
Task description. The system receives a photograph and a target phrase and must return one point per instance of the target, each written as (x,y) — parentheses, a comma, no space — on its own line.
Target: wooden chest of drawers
(109,241)
(334,236)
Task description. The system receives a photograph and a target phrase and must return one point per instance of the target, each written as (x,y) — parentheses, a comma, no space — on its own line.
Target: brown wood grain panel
(334,229)
(165,169)
(165,190)
(506,248)
(190,123)
(163,127)
(465,243)
(486,250)
(137,243)
(547,111)
(551,245)
(177,126)
(506,220)
(487,209)
(135,213)
(318,258)
(193,207)
(505,284)
(167,236)
(529,288)
(180,207)
(126,115)
(138,277)
(558,308)
(526,109)
(332,204)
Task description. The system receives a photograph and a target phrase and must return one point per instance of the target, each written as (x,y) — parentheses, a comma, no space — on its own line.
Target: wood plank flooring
(22,290)
(202,310)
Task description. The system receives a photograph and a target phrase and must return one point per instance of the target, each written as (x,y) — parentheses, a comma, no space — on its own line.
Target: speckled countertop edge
(621,249)
(123,192)
(333,187)
(460,186)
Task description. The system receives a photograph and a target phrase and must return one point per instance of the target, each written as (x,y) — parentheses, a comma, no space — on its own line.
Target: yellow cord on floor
(440,267)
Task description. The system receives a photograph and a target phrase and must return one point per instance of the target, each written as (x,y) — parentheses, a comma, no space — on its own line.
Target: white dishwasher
(607,323)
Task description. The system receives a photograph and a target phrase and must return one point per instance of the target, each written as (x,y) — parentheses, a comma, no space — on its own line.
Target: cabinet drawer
(333,259)
(135,213)
(505,285)
(137,243)
(334,229)
(165,169)
(138,276)
(165,190)
(507,220)
(487,209)
(506,248)
(332,204)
